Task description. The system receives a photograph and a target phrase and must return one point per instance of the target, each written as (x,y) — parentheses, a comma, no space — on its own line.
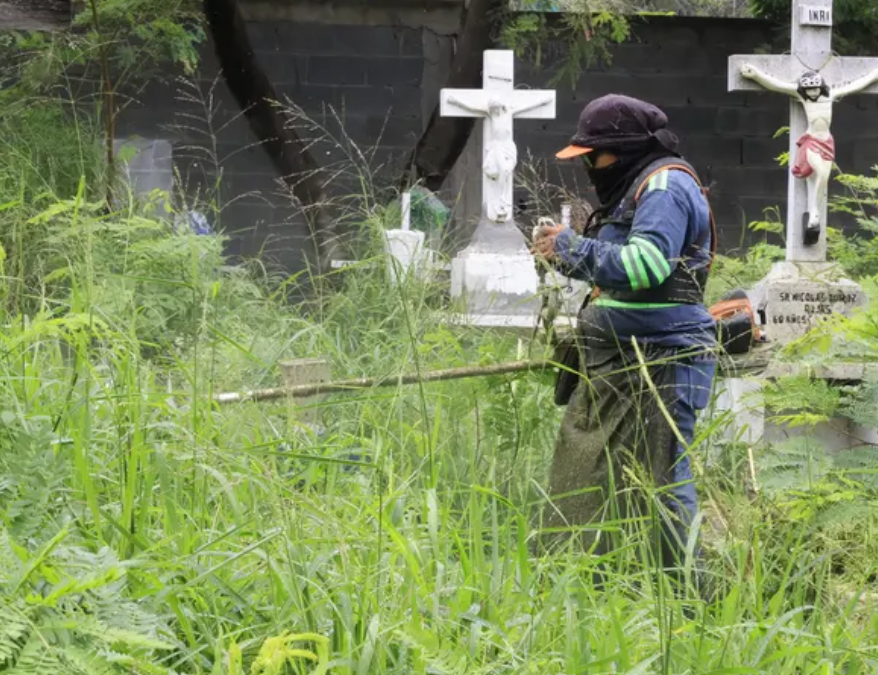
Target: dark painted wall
(360,94)
(681,65)
(383,80)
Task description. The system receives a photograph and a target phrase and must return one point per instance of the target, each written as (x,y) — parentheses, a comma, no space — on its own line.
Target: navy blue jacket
(672,214)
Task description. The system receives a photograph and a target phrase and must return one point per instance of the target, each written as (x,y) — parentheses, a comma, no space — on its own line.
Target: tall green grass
(144,529)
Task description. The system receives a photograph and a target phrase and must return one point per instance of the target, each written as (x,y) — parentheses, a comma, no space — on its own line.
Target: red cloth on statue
(825,148)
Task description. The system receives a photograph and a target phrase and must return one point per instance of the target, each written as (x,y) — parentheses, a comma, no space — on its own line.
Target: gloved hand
(544,241)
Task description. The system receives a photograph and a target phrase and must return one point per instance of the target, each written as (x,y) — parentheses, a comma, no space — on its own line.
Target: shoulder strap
(691,172)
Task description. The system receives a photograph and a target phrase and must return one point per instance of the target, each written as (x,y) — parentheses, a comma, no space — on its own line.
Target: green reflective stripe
(652,264)
(634,268)
(663,180)
(619,304)
(629,267)
(638,264)
(658,182)
(654,258)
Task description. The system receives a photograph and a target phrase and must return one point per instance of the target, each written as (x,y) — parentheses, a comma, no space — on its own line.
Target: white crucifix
(815,79)
(498,103)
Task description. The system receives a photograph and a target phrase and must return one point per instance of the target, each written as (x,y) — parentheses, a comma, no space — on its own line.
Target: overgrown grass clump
(146,529)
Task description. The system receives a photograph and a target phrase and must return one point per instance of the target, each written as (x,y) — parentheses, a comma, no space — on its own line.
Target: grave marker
(804,288)
(799,291)
(810,68)
(305,371)
(496,274)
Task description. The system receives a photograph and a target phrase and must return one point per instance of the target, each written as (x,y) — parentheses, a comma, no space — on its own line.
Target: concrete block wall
(680,65)
(360,94)
(359,91)
(380,83)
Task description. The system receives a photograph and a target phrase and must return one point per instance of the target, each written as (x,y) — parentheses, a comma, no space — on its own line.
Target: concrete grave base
(794,297)
(147,165)
(521,325)
(494,283)
(496,274)
(741,397)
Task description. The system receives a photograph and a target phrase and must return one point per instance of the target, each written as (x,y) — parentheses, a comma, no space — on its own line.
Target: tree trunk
(445,137)
(256,95)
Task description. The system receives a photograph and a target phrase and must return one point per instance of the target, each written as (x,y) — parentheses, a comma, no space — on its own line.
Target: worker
(647,342)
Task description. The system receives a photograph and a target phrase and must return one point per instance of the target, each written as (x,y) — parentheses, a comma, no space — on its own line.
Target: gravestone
(147,164)
(805,287)
(794,297)
(405,248)
(297,372)
(495,275)
(406,251)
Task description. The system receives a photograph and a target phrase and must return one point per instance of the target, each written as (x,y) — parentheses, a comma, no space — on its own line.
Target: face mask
(607,179)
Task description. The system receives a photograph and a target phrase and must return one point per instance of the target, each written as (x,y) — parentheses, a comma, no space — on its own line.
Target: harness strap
(704,191)
(596,291)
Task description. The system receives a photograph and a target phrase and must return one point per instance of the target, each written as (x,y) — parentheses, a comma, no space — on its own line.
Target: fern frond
(128,638)
(843,513)
(431,656)
(36,657)
(802,395)
(860,404)
(14,628)
(64,610)
(89,662)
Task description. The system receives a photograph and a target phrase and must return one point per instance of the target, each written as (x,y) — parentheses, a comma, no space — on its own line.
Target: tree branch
(305,390)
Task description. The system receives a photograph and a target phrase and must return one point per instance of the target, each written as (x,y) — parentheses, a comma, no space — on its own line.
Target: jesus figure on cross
(501,154)
(816,147)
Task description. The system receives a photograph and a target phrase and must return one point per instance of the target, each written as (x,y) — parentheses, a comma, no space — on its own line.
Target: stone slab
(742,398)
(494,283)
(830,437)
(839,371)
(305,371)
(795,297)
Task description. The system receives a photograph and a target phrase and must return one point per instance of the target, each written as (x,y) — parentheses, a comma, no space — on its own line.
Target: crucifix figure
(816,79)
(815,148)
(498,104)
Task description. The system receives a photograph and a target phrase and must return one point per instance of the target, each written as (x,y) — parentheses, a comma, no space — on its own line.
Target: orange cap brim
(572,151)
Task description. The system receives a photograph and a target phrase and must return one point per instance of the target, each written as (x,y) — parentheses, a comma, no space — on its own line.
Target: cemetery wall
(381,76)
(680,64)
(365,92)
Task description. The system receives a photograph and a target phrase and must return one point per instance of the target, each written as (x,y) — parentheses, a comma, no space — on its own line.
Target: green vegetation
(583,34)
(145,529)
(855,22)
